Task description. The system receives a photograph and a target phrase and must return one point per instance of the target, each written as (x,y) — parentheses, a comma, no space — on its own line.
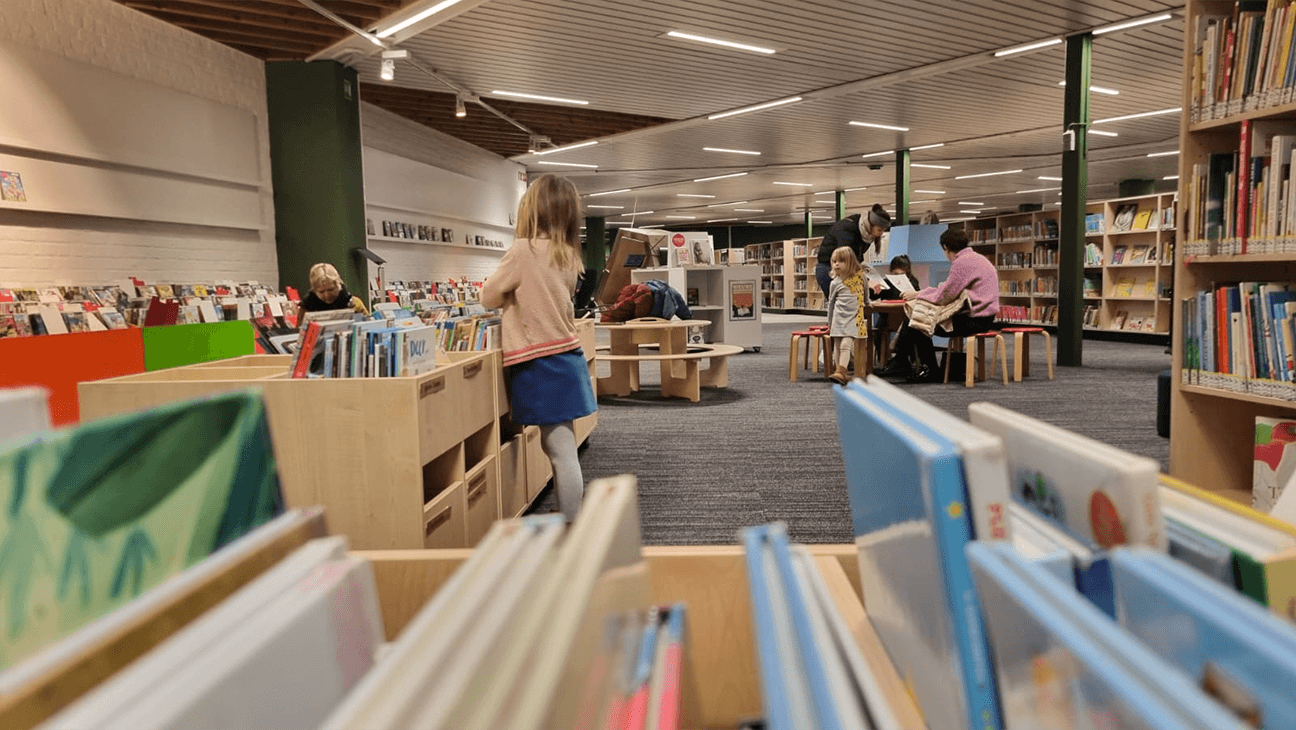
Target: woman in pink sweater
(969,272)
(548,380)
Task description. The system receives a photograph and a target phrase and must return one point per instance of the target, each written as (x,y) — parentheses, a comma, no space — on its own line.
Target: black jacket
(844,232)
(313,303)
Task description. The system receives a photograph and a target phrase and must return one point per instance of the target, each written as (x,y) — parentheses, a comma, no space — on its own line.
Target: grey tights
(559,444)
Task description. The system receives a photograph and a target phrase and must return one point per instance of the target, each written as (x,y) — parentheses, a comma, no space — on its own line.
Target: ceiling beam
(259,14)
(297,50)
(313,39)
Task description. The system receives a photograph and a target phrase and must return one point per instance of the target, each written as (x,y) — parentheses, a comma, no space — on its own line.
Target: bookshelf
(1125,296)
(714,286)
(1213,415)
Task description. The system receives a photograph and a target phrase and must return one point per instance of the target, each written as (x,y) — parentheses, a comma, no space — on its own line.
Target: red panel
(59,362)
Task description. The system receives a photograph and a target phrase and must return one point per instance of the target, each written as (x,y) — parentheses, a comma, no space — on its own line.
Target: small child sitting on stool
(846,315)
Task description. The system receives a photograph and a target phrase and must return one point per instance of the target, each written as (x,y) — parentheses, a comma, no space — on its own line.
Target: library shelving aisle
(788,274)
(1137,256)
(717,288)
(1214,401)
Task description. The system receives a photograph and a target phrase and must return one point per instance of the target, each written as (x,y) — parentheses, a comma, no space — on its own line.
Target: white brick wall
(37,249)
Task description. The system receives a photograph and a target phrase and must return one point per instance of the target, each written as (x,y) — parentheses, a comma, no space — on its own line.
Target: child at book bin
(846,316)
(328,291)
(548,379)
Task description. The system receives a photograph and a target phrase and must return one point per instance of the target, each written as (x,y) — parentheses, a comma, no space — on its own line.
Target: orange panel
(59,362)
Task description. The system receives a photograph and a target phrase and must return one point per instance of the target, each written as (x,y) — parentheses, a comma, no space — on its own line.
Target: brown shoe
(840,376)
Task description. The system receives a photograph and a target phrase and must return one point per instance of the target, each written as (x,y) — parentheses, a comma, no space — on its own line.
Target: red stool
(966,344)
(1021,350)
(814,335)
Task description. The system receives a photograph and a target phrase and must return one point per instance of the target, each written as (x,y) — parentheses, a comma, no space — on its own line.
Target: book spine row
(1243,60)
(1240,202)
(1239,337)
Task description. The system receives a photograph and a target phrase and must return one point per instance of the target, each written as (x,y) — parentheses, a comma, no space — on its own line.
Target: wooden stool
(862,354)
(964,344)
(1021,350)
(812,336)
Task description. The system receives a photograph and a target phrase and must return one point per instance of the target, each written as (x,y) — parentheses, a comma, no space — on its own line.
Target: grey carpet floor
(766,449)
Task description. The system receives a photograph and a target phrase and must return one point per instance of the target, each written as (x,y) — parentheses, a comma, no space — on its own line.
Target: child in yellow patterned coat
(846,313)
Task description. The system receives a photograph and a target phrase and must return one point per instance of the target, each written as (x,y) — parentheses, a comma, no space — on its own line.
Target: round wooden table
(624,338)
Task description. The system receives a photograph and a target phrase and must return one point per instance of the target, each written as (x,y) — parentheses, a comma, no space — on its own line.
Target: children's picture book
(76,321)
(1142,219)
(691,296)
(1118,320)
(1118,255)
(97,514)
(1124,218)
(11,187)
(1275,460)
(1124,287)
(742,301)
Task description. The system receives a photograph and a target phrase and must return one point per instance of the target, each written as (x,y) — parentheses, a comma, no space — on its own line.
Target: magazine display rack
(407,462)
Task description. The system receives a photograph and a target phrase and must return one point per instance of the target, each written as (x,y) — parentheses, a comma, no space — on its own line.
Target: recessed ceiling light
(609,192)
(970,211)
(402,25)
(566,164)
(821,217)
(1027,47)
(719,177)
(1170,177)
(1037,190)
(987,174)
(555,99)
(608,207)
(756,108)
(1101,133)
(827,192)
(692,195)
(1163,154)
(1097,89)
(736,152)
(749,210)
(851,190)
(564,148)
(637,212)
(1138,116)
(1133,23)
(719,42)
(721,205)
(915,202)
(799,185)
(1046,177)
(879,154)
(620,222)
(880,126)
(683,217)
(760,221)
(721,220)
(933,167)
(930,192)
(927,147)
(964,202)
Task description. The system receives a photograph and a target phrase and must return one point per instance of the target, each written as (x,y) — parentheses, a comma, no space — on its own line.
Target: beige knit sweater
(536,299)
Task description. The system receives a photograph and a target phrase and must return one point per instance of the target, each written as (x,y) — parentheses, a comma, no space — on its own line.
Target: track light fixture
(388,72)
(460,111)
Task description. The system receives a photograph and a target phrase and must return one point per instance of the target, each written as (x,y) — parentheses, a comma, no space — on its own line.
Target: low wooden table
(678,366)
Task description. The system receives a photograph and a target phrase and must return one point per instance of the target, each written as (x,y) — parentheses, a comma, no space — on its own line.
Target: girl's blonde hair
(551,209)
(846,256)
(323,273)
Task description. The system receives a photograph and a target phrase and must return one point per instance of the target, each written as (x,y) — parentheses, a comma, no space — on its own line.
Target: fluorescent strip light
(1028,47)
(683,217)
(879,154)
(721,205)
(1037,190)
(736,152)
(1170,177)
(1046,177)
(927,147)
(1133,23)
(719,177)
(567,147)
(1097,89)
(760,221)
(692,195)
(851,190)
(1163,154)
(718,42)
(987,174)
(933,167)
(799,185)
(915,202)
(880,126)
(607,207)
(957,220)
(520,95)
(931,192)
(638,212)
(619,222)
(758,107)
(566,164)
(721,220)
(609,192)
(821,217)
(749,210)
(827,192)
(1101,133)
(416,18)
(974,212)
(655,225)
(964,202)
(1138,116)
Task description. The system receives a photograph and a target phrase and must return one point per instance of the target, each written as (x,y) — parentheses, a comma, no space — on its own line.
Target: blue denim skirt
(551,389)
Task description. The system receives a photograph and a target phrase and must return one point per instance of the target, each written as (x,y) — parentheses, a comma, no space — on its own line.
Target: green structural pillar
(840,207)
(317,171)
(902,188)
(594,254)
(1075,174)
(809,221)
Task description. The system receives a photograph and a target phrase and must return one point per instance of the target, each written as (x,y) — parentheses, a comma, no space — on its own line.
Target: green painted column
(594,254)
(317,171)
(1075,175)
(809,221)
(902,188)
(841,204)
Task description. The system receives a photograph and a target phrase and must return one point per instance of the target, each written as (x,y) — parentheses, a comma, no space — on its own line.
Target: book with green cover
(95,515)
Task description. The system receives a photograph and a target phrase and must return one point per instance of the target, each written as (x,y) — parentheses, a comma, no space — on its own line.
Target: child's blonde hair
(321,274)
(551,209)
(846,256)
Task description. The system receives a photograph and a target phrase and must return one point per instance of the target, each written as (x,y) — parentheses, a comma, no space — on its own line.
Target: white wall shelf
(434,214)
(483,249)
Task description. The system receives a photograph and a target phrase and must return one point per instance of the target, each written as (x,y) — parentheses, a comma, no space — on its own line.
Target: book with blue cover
(909,508)
(1064,665)
(1241,654)
(1087,569)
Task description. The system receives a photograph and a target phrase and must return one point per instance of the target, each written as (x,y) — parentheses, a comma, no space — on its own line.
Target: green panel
(1134,187)
(1075,176)
(185,344)
(902,180)
(317,170)
(1251,578)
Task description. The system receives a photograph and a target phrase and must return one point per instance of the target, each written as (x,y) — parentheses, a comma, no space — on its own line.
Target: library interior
(579,365)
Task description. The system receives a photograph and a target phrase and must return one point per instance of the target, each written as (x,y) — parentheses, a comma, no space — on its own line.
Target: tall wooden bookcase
(788,274)
(1212,429)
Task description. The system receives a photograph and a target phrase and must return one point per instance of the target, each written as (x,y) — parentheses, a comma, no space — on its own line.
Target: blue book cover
(911,521)
(769,619)
(1090,569)
(1240,653)
(1063,665)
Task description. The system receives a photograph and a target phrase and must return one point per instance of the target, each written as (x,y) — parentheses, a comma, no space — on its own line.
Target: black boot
(896,367)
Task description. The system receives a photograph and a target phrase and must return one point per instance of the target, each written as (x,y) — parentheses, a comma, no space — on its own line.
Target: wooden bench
(681,376)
